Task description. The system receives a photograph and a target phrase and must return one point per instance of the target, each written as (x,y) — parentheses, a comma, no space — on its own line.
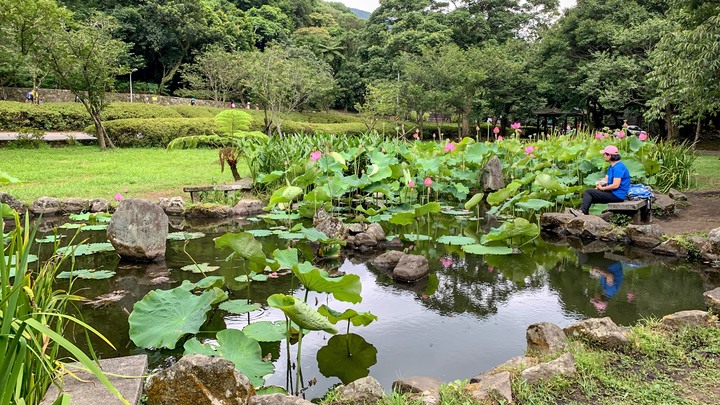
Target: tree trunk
(698,127)
(234,170)
(465,126)
(669,126)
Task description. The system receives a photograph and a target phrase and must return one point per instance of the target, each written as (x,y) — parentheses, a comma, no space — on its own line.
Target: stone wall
(58,95)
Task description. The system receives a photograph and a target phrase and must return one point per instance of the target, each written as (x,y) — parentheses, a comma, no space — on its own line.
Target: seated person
(613,188)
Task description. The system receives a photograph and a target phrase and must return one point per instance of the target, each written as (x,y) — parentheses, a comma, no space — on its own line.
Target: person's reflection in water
(610,282)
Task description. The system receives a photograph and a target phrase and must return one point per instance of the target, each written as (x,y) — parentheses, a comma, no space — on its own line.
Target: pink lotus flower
(643,136)
(428,182)
(530,149)
(500,138)
(273,275)
(516,125)
(449,147)
(118,197)
(621,134)
(599,135)
(446,261)
(315,156)
(599,305)
(496,130)
(416,136)
(411,184)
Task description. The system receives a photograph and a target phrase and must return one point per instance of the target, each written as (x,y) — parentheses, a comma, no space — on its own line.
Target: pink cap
(610,150)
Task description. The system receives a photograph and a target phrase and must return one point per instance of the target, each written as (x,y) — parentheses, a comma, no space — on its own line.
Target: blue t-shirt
(618,170)
(617,271)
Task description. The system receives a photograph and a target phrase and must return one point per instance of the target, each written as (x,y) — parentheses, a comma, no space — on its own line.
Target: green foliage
(301,313)
(154,132)
(676,166)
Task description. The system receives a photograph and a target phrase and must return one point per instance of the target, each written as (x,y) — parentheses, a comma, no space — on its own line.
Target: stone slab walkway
(51,136)
(126,374)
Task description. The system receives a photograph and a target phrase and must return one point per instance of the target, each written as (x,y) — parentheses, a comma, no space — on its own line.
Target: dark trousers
(593,196)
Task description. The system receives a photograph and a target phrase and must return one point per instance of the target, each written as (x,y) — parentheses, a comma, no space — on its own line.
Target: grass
(707,169)
(87,172)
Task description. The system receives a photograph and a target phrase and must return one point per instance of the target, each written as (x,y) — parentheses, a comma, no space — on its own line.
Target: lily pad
(356,318)
(200,268)
(185,235)
(92,217)
(258,233)
(253,276)
(266,331)
(239,307)
(211,281)
(50,238)
(162,317)
(478,249)
(94,227)
(416,237)
(87,249)
(348,357)
(456,240)
(88,274)
(71,226)
(300,313)
(346,288)
(244,244)
(243,351)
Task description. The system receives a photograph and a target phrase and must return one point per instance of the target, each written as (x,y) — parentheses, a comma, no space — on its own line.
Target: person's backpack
(640,192)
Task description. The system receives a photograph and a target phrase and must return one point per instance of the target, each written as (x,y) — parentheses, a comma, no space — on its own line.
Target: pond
(467,317)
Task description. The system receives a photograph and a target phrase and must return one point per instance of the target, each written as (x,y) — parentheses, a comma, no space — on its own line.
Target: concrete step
(126,373)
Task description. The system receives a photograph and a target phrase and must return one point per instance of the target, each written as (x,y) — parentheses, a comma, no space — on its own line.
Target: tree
(216,74)
(381,100)
(283,80)
(85,59)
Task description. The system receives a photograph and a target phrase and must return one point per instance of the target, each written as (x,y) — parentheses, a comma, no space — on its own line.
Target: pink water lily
(500,138)
(496,130)
(428,182)
(315,156)
(118,197)
(411,184)
(446,261)
(621,134)
(449,147)
(516,125)
(530,149)
(599,135)
(643,136)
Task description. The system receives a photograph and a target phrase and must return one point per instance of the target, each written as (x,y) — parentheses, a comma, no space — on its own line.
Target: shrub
(190,111)
(156,132)
(118,111)
(52,116)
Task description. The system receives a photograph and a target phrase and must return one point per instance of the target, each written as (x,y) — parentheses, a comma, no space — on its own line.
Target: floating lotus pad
(185,235)
(88,274)
(87,249)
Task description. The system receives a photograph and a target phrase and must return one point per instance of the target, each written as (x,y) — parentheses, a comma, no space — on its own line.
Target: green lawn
(707,169)
(87,172)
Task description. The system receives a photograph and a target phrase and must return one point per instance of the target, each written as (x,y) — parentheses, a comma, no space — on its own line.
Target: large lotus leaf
(337,186)
(162,317)
(314,235)
(70,226)
(636,144)
(348,357)
(327,164)
(338,158)
(357,182)
(431,207)
(477,153)
(270,177)
(548,182)
(534,204)
(379,173)
(286,258)
(460,191)
(356,318)
(509,230)
(87,249)
(218,295)
(266,331)
(592,178)
(300,313)
(281,216)
(253,276)
(185,235)
(283,195)
(210,282)
(244,244)
(239,307)
(429,165)
(478,249)
(475,200)
(403,218)
(457,240)
(243,351)
(369,211)
(413,237)
(290,235)
(346,288)
(503,194)
(636,168)
(88,274)
(200,268)
(317,195)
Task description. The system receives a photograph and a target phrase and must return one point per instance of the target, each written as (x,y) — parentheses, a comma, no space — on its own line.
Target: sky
(371,5)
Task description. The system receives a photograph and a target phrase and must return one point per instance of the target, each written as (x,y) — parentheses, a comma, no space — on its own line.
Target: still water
(467,317)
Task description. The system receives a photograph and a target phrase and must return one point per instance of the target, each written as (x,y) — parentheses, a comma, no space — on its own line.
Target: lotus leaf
(258,233)
(337,187)
(416,237)
(346,288)
(87,249)
(636,168)
(265,331)
(314,235)
(318,194)
(348,357)
(6,211)
(185,235)
(286,258)
(478,249)
(290,235)
(403,218)
(477,153)
(284,195)
(70,226)
(429,165)
(475,200)
(50,238)
(509,230)
(549,183)
(281,216)
(270,177)
(503,194)
(379,218)
(92,217)
(243,351)
(534,204)
(244,244)
(369,211)
(431,207)
(460,191)
(338,158)
(253,276)
(456,240)
(211,281)
(456,212)
(218,295)
(94,227)
(239,307)
(200,268)
(356,318)
(162,317)
(89,274)
(300,313)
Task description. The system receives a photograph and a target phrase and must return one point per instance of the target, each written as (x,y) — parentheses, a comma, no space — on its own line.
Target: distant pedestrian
(34,97)
(192,101)
(29,97)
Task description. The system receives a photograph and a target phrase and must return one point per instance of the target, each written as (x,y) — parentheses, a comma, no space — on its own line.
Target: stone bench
(244,184)
(639,210)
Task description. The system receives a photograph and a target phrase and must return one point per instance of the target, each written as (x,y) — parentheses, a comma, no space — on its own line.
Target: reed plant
(33,317)
(676,165)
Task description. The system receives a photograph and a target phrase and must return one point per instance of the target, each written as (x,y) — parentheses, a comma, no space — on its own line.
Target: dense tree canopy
(615,60)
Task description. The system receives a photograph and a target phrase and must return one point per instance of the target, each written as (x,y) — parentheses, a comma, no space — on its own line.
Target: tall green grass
(33,316)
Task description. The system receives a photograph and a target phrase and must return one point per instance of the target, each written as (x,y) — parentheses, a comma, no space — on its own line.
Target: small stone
(173,205)
(388,260)
(366,390)
(676,195)
(376,231)
(416,384)
(277,399)
(248,208)
(602,331)
(645,236)
(671,247)
(489,386)
(712,299)
(686,318)
(411,268)
(563,365)
(545,337)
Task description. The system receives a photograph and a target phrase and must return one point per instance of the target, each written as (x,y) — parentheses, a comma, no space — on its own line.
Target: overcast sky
(370,5)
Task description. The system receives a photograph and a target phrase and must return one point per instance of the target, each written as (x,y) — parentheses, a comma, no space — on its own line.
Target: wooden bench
(639,210)
(244,184)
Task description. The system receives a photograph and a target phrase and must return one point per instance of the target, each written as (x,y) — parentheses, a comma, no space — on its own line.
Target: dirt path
(700,213)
